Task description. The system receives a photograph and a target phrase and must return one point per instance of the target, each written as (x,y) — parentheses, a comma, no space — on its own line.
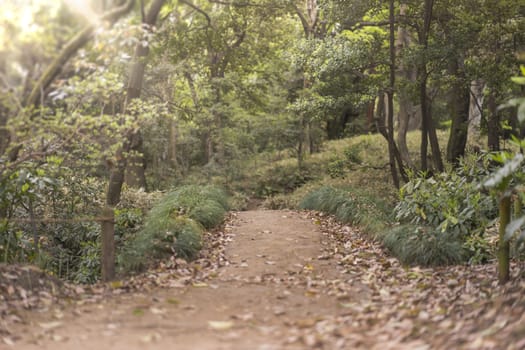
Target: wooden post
(108,244)
(504,246)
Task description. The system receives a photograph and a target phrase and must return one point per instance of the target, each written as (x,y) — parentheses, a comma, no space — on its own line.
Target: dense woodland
(401,117)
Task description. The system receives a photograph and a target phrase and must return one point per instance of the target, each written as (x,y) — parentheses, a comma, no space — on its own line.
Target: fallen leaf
(116,284)
(200,285)
(157,311)
(220,325)
(148,338)
(8,341)
(50,325)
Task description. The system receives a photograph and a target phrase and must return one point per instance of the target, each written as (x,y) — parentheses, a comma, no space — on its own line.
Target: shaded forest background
(327,105)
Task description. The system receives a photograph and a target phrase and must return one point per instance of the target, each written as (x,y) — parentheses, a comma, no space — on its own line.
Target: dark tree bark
(390,94)
(428,129)
(458,107)
(406,106)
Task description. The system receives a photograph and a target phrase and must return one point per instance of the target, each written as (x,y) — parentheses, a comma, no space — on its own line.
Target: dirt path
(257,302)
(291,281)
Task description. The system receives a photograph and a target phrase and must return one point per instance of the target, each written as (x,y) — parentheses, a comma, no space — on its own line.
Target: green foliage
(352,154)
(174,226)
(448,201)
(446,207)
(425,246)
(207,205)
(283,179)
(336,168)
(349,206)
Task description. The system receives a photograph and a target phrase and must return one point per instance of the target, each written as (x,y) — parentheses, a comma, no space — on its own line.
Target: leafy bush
(175,225)
(447,201)
(448,209)
(352,154)
(423,245)
(336,168)
(205,204)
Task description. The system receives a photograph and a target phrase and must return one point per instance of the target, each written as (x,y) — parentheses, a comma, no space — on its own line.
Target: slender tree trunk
(493,127)
(390,94)
(406,106)
(172,150)
(475,110)
(370,117)
(458,106)
(428,129)
(434,142)
(117,173)
(424,128)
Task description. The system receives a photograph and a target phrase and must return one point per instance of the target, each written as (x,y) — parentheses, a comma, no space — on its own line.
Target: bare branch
(199,10)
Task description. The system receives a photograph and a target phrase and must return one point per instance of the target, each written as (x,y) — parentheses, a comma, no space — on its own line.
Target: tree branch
(71,48)
(199,10)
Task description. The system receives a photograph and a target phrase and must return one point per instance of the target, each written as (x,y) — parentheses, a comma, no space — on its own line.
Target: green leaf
(25,187)
(518,80)
(512,227)
(499,177)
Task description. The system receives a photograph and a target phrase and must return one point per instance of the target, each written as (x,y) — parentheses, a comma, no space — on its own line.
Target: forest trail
(292,280)
(253,303)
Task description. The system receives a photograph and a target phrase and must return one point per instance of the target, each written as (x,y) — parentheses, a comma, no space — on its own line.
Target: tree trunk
(135,176)
(493,127)
(458,106)
(390,94)
(108,245)
(475,110)
(406,107)
(117,173)
(503,246)
(172,150)
(424,127)
(428,128)
(434,142)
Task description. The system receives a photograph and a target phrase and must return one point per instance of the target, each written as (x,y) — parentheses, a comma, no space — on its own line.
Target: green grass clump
(425,246)
(349,206)
(207,205)
(175,225)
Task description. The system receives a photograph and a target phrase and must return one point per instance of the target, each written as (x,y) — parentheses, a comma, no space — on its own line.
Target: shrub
(447,209)
(349,206)
(283,179)
(175,225)
(423,245)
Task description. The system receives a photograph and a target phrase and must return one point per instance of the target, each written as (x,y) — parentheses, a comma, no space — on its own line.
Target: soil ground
(291,280)
(248,305)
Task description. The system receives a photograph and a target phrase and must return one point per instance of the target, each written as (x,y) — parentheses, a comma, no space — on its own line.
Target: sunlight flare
(84,8)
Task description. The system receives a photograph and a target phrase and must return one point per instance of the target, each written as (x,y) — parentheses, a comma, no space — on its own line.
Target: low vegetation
(174,226)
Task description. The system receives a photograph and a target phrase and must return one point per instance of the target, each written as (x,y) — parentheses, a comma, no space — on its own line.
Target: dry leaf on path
(220,325)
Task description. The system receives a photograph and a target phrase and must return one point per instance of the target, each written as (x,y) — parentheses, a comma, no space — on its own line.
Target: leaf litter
(382,304)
